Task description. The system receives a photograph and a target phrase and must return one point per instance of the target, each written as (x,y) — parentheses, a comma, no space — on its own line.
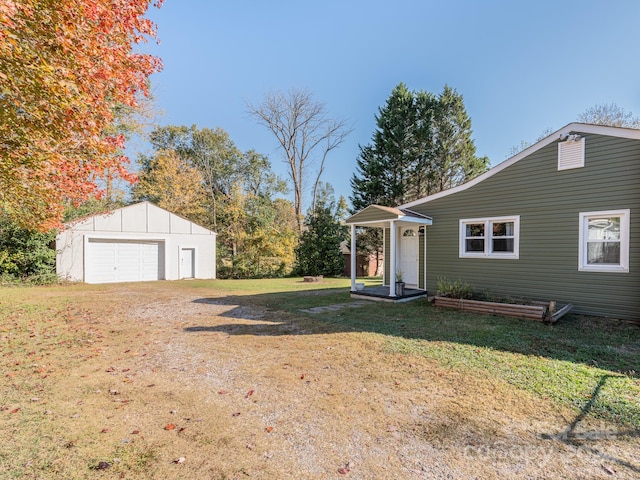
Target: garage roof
(143,217)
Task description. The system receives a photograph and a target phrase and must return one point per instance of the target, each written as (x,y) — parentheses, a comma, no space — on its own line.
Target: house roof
(378,216)
(569,129)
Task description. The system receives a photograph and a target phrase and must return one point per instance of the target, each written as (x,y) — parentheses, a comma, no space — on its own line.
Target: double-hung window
(604,241)
(495,237)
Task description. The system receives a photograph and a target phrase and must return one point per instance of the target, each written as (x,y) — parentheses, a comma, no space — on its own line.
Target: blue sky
(522,67)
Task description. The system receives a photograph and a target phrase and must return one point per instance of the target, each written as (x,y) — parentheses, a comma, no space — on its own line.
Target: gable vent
(571,153)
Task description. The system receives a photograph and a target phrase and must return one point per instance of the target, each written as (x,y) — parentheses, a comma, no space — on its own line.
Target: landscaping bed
(541,311)
(459,296)
(534,312)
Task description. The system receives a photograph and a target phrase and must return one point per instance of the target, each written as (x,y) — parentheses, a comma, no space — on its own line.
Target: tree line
(422,143)
(200,174)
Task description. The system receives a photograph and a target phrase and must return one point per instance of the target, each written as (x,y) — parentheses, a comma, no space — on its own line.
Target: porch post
(424,256)
(392,260)
(353,257)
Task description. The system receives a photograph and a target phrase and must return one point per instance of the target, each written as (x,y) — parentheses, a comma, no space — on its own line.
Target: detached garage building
(141,242)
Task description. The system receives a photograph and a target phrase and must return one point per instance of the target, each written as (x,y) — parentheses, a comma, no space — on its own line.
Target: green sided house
(558,221)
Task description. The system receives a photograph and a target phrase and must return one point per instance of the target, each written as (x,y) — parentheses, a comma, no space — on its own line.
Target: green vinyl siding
(370,215)
(549,203)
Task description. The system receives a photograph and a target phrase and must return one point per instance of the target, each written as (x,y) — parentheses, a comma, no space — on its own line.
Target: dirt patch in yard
(166,380)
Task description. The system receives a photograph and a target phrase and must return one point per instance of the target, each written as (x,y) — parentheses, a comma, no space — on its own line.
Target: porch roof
(379,216)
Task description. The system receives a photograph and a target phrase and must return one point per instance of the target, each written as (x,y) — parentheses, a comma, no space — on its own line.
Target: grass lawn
(237,379)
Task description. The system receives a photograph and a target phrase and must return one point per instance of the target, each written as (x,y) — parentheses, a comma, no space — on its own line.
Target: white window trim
(625,221)
(488,238)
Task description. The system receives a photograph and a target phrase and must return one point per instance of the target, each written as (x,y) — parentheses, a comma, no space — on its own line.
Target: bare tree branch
(609,114)
(304,132)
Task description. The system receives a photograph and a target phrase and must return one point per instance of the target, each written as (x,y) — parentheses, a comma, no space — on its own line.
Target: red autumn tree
(65,65)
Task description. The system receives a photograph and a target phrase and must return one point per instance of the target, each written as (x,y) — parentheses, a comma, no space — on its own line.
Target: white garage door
(109,260)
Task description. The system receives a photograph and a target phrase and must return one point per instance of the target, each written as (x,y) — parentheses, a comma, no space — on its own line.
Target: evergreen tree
(422,145)
(383,167)
(421,168)
(318,252)
(454,158)
(369,187)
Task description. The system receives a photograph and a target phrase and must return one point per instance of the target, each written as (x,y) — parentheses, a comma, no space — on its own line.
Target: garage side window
(604,241)
(493,237)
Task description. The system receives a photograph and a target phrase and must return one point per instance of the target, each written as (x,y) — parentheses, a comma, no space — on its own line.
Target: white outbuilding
(140,242)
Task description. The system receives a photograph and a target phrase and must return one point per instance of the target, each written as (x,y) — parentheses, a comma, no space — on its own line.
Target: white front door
(187,257)
(409,254)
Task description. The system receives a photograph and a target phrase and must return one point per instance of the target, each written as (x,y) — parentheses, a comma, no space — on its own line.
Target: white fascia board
(630,133)
(620,132)
(370,223)
(421,221)
(386,223)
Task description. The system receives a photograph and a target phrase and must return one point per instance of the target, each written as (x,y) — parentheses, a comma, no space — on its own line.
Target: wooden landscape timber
(540,311)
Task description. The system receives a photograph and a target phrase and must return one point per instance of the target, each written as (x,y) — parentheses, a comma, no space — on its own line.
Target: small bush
(8,280)
(25,253)
(454,288)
